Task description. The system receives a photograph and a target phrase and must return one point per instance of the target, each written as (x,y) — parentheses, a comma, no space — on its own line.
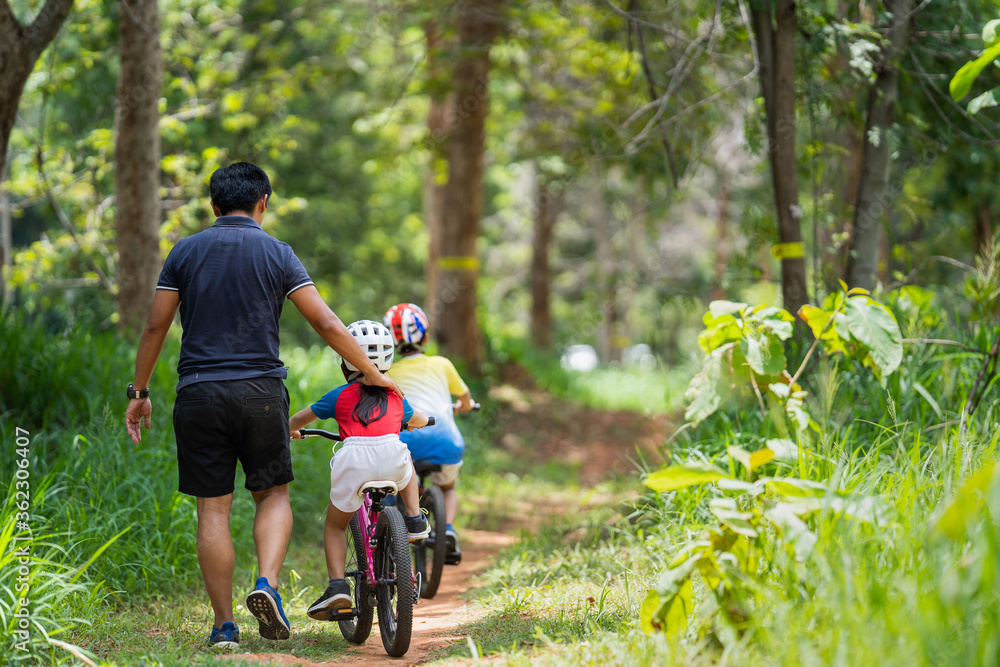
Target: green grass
(571,587)
(658,391)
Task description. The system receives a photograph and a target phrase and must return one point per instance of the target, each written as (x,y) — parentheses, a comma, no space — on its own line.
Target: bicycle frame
(367,515)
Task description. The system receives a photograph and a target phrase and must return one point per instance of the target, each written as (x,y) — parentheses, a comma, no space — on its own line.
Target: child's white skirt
(366,459)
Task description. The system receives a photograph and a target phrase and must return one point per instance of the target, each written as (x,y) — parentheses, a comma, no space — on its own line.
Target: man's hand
(138,408)
(295,435)
(381,380)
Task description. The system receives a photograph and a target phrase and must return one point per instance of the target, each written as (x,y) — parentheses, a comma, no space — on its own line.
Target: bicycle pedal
(453,559)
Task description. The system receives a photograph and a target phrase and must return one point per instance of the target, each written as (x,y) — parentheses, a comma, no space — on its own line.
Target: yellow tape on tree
(458,263)
(788,251)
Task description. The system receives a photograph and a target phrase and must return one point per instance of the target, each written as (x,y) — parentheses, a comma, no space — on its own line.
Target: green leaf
(795,487)
(785,518)
(990,98)
(648,611)
(764,354)
(707,389)
(991,33)
(875,326)
(728,515)
(751,461)
(723,307)
(962,82)
(968,502)
(683,476)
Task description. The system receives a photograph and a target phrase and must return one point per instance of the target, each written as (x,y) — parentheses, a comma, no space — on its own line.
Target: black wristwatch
(136,393)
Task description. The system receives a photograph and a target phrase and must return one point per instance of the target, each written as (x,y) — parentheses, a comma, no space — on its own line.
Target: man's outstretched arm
(161,316)
(332,330)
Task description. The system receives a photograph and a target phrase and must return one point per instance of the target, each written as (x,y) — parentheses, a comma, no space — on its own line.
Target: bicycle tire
(429,555)
(395,600)
(357,630)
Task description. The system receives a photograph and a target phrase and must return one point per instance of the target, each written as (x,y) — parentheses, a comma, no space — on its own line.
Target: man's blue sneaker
(228,636)
(265,604)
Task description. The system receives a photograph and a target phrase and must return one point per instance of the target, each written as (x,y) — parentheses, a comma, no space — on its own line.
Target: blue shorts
(441,443)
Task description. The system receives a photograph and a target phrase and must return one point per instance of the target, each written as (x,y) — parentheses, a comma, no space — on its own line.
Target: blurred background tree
(625,151)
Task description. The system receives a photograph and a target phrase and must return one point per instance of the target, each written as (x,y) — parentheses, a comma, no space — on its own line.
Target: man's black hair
(238,187)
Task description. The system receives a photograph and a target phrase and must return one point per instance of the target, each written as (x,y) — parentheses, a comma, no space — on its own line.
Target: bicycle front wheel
(393,582)
(357,629)
(429,554)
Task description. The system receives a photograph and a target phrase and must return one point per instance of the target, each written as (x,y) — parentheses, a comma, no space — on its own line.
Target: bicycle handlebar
(330,435)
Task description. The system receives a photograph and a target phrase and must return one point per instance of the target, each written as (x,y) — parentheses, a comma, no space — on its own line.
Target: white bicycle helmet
(375,340)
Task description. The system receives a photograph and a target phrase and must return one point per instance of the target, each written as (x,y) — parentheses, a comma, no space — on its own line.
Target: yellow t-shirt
(429,383)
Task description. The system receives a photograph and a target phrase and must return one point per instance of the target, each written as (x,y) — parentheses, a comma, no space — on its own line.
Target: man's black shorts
(218,423)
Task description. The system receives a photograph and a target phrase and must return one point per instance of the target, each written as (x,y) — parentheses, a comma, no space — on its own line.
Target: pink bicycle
(378,569)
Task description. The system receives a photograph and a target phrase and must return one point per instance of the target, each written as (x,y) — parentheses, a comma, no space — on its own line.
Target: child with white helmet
(369,419)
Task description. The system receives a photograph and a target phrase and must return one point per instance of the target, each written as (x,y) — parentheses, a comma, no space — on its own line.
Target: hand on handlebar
(295,435)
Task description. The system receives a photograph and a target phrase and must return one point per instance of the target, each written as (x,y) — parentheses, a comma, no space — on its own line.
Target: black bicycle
(431,554)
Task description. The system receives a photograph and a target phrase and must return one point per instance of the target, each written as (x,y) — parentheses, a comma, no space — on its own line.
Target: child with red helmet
(369,419)
(430,382)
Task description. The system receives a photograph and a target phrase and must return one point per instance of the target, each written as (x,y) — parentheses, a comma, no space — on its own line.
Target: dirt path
(434,621)
(534,426)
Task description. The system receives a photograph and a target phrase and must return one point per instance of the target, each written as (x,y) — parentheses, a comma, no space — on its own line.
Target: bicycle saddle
(385,486)
(423,466)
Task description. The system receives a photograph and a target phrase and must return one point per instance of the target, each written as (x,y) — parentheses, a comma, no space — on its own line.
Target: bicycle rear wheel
(357,629)
(429,555)
(393,582)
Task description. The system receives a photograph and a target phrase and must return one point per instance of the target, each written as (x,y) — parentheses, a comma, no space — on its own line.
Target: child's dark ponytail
(372,405)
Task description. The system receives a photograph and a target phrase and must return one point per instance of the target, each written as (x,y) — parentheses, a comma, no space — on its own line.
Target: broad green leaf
(817,319)
(991,33)
(962,82)
(875,326)
(751,461)
(795,487)
(647,613)
(751,489)
(739,455)
(682,476)
(707,389)
(723,307)
(728,515)
(795,531)
(784,449)
(675,611)
(990,98)
(968,502)
(765,355)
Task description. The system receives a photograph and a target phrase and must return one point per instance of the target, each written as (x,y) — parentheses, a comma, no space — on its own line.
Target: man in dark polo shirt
(230,282)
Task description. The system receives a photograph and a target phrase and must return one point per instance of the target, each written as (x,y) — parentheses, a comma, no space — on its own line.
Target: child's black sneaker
(336,597)
(451,541)
(416,527)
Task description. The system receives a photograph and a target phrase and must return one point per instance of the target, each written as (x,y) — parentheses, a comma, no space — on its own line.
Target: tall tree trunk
(776,53)
(137,161)
(437,129)
(547,207)
(874,198)
(458,332)
(20,48)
